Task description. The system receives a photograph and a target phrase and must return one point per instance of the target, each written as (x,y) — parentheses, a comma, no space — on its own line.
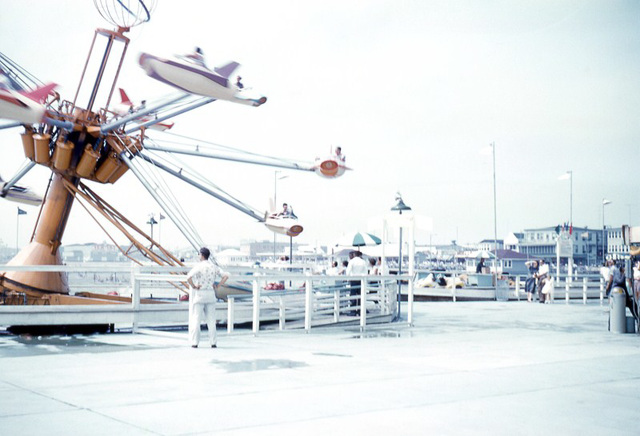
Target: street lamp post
(400,206)
(565,176)
(604,243)
(275,204)
(495,216)
(151,222)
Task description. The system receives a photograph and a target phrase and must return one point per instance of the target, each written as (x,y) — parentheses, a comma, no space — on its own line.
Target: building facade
(616,248)
(542,242)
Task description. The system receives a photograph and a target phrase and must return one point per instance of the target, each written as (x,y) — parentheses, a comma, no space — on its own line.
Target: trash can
(631,324)
(617,311)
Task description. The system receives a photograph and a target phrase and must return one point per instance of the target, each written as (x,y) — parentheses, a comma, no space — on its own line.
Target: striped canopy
(359,240)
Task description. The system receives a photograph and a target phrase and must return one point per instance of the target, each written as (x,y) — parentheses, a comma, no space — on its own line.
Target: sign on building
(564,247)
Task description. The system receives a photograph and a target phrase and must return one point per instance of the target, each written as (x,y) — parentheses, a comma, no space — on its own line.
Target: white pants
(202,308)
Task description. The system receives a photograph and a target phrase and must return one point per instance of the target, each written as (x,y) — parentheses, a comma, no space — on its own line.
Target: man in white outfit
(357,267)
(202,298)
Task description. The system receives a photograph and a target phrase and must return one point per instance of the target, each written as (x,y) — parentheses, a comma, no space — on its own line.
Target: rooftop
(464,368)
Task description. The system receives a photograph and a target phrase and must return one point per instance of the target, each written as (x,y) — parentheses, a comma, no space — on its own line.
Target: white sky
(412,91)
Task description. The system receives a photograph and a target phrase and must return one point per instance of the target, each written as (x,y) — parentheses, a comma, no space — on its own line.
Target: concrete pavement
(463,368)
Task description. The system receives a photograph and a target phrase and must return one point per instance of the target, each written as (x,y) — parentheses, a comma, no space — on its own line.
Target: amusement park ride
(81,142)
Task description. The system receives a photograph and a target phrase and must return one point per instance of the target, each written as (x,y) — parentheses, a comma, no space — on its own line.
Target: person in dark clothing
(530,284)
(618,279)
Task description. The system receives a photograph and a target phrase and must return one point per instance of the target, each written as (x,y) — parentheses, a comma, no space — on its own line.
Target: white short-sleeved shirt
(357,267)
(544,269)
(204,274)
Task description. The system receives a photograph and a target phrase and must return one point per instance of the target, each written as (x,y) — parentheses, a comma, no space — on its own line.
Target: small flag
(21,212)
(161,217)
(570,229)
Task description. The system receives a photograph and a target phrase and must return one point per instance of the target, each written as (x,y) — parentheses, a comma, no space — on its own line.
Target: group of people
(356,266)
(539,281)
(614,276)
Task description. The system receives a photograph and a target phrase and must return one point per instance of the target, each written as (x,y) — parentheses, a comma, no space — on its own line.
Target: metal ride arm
(106,128)
(10,125)
(179,174)
(24,170)
(172,113)
(210,154)
(161,256)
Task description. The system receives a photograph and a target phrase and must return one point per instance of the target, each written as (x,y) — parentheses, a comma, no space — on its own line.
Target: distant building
(91,252)
(616,248)
(510,262)
(264,250)
(541,244)
(512,242)
(490,245)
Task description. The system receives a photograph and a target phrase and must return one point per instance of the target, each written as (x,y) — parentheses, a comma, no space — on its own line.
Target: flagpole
(20,212)
(571,202)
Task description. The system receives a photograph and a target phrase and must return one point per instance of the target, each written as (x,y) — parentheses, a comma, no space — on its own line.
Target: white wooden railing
(318,303)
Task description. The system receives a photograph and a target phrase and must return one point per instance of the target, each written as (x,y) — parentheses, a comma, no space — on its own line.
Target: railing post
(384,296)
(601,290)
(336,304)
(453,290)
(231,302)
(567,283)
(256,307)
(135,297)
(584,290)
(281,313)
(518,288)
(308,305)
(410,297)
(363,304)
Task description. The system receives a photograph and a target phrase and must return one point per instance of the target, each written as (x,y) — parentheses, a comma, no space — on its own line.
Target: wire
(217,146)
(18,75)
(167,201)
(184,168)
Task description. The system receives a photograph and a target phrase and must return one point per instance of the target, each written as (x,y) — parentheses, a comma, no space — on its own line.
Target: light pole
(400,206)
(151,222)
(275,204)
(565,176)
(604,243)
(495,215)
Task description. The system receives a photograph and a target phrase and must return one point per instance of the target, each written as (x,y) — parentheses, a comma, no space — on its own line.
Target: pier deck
(463,368)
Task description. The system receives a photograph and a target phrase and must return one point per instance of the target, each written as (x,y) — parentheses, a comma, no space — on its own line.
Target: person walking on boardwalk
(530,284)
(202,297)
(357,267)
(542,276)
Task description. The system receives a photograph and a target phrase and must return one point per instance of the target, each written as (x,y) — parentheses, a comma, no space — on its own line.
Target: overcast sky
(413,91)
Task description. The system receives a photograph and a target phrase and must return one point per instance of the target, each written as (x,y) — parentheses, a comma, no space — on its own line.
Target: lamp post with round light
(604,240)
(400,207)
